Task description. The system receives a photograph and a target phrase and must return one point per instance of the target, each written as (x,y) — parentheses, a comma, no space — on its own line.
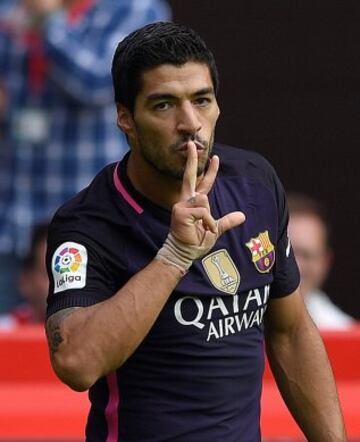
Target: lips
(183,146)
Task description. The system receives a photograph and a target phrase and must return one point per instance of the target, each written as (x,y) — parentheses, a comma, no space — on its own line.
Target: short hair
(303,204)
(39,233)
(151,46)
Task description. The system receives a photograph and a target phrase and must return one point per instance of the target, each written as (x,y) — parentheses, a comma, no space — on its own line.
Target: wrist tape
(177,253)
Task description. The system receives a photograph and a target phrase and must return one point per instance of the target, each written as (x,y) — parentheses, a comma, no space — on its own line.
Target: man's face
(308,237)
(174,105)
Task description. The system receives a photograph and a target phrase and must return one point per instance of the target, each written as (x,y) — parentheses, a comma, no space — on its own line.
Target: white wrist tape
(179,254)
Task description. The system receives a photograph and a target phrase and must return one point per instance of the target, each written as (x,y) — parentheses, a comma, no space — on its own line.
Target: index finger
(207,182)
(190,173)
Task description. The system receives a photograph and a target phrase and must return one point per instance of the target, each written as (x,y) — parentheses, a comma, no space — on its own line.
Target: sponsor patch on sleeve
(69,265)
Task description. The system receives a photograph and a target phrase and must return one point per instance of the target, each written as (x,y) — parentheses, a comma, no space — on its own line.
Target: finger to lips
(207,182)
(190,173)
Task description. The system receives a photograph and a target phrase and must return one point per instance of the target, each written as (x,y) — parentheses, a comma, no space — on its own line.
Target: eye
(162,106)
(202,101)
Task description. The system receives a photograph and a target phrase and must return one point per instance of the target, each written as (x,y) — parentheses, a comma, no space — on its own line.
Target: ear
(124,119)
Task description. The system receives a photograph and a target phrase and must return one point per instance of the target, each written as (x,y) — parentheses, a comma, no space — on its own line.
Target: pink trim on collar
(121,189)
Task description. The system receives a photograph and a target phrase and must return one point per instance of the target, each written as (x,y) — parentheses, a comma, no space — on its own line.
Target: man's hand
(193,230)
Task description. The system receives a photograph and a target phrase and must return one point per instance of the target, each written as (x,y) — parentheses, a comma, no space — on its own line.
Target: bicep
(288,330)
(285,314)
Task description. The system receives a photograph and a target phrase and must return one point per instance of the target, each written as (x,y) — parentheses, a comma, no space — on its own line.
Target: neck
(158,188)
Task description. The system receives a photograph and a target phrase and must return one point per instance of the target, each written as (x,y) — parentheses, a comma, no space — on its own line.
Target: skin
(88,343)
(39,10)
(175,104)
(42,8)
(302,371)
(309,240)
(34,284)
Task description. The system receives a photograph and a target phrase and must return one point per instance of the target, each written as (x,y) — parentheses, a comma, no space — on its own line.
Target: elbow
(72,372)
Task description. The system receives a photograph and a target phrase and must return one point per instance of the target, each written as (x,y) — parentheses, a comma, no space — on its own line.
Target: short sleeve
(77,273)
(286,272)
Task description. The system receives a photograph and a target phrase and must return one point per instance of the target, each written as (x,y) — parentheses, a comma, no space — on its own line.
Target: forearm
(93,341)
(304,376)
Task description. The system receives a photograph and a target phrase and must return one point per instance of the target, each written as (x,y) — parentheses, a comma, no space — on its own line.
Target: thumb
(229,221)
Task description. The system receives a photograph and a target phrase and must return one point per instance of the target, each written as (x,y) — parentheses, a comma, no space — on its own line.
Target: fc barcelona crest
(221,271)
(262,252)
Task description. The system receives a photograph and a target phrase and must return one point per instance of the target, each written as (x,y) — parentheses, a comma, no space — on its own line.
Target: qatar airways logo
(220,319)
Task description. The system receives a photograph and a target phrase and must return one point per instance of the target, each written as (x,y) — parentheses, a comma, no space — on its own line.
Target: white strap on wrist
(175,252)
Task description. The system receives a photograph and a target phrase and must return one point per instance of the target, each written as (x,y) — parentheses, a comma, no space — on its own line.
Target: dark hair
(38,234)
(303,204)
(151,46)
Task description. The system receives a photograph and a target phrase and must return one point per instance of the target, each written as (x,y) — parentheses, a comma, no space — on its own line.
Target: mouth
(183,146)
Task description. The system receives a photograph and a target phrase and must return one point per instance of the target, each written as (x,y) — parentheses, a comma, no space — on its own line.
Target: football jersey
(197,375)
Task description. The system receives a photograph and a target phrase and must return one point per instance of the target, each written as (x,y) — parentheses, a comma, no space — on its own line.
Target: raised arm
(302,370)
(88,343)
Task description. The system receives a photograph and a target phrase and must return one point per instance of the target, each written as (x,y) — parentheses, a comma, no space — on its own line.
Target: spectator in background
(33,284)
(58,130)
(33,280)
(309,232)
(2,111)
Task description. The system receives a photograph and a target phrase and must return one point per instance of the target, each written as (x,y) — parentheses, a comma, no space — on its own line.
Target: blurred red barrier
(36,405)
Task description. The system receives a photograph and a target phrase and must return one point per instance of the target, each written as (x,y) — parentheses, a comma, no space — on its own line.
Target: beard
(167,162)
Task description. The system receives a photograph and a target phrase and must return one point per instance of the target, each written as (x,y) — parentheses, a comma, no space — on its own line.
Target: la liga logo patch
(69,264)
(68,260)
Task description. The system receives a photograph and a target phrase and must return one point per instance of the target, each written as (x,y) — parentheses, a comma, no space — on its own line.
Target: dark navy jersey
(197,375)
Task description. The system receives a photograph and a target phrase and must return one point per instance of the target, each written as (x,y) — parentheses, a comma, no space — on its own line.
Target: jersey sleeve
(77,273)
(286,273)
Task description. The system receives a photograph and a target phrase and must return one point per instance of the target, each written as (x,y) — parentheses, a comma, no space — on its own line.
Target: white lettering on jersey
(230,322)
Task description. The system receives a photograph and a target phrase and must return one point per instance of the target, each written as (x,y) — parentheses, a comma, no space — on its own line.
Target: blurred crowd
(57,130)
(310,235)
(56,122)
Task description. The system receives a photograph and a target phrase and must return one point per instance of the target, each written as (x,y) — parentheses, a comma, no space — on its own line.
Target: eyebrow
(204,91)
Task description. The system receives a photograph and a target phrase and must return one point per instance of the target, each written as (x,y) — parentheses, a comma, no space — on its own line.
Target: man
(56,110)
(33,284)
(159,288)
(309,232)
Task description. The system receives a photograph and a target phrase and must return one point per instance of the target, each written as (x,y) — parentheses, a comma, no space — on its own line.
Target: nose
(188,119)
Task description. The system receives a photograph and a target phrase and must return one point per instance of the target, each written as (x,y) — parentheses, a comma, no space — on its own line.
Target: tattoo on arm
(53,328)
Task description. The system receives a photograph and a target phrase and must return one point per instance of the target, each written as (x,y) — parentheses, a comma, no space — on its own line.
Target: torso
(197,375)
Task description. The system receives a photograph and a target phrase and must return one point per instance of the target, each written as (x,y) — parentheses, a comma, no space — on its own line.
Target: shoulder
(84,211)
(240,160)
(247,165)
(100,185)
